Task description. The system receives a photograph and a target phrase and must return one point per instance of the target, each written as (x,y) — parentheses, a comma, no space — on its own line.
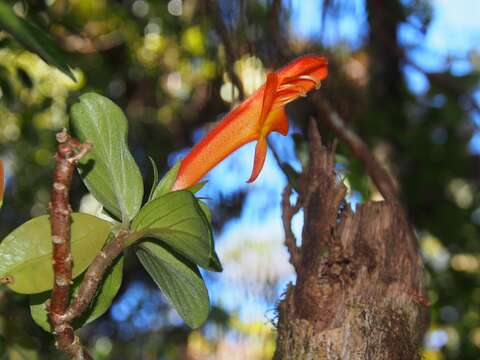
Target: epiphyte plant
(170,233)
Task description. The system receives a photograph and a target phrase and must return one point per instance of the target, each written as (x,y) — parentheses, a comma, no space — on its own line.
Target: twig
(224,35)
(307,185)
(94,275)
(290,173)
(375,170)
(445,83)
(288,212)
(275,154)
(280,43)
(68,153)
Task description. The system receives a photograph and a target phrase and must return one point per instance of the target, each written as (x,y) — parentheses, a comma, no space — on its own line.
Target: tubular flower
(254,119)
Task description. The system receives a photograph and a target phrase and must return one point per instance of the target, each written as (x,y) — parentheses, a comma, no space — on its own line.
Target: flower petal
(254,119)
(269,94)
(259,160)
(313,65)
(277,121)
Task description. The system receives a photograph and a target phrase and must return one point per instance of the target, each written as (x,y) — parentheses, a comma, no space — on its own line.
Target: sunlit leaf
(179,280)
(177,219)
(102,301)
(26,253)
(108,170)
(33,38)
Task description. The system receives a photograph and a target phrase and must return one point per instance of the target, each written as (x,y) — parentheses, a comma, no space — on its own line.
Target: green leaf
(176,219)
(102,301)
(155,178)
(166,183)
(179,280)
(215,263)
(26,253)
(108,170)
(33,38)
(206,210)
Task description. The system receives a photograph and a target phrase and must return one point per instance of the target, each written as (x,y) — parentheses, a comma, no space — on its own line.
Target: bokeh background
(403,73)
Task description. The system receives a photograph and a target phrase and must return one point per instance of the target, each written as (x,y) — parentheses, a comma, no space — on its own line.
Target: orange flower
(254,119)
(2,183)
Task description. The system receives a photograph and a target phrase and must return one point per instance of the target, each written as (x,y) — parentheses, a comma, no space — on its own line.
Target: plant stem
(94,275)
(68,153)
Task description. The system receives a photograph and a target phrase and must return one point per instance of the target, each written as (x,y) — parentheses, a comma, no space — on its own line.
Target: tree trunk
(359,292)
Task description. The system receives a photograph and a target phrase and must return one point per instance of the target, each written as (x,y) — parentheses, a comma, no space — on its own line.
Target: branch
(307,183)
(293,178)
(223,33)
(288,212)
(93,276)
(68,153)
(445,83)
(276,33)
(375,170)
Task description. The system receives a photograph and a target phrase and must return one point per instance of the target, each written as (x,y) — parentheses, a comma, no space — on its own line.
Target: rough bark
(359,292)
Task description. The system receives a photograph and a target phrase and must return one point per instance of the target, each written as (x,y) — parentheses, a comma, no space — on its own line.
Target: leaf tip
(68,71)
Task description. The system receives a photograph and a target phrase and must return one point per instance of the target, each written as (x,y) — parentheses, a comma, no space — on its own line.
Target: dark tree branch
(288,212)
(291,175)
(446,83)
(69,152)
(224,35)
(280,43)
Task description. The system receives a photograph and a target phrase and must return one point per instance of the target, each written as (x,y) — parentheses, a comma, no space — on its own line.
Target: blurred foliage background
(404,74)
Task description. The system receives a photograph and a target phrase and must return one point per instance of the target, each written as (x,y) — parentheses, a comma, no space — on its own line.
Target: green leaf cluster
(171,233)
